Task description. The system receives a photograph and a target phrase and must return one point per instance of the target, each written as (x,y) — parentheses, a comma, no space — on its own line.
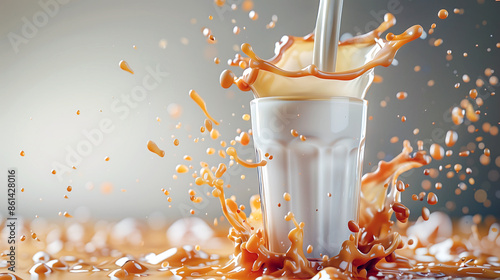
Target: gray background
(69,62)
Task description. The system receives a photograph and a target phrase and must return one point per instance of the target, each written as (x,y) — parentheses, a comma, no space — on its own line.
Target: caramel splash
(232,152)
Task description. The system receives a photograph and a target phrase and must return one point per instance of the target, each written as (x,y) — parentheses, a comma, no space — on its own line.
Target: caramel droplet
(432,198)
(353,226)
(464,153)
(451,138)
(236,30)
(442,14)
(208,125)
(473,93)
(438,43)
(244,138)
(436,151)
(220,3)
(124,66)
(227,78)
(309,249)
(287,196)
(181,168)
(214,134)
(197,98)
(253,15)
(401,95)
(154,148)
(425,213)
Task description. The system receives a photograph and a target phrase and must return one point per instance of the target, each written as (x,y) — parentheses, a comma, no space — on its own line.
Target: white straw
(326,36)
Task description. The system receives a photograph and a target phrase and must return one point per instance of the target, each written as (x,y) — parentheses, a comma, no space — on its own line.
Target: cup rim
(308,99)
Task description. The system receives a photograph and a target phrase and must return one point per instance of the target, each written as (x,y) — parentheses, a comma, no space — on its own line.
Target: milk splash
(290,72)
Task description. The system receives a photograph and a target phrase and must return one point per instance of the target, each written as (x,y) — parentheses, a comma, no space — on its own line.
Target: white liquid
(329,161)
(300,55)
(326,35)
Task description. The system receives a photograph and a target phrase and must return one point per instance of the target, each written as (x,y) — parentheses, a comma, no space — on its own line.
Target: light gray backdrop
(58,57)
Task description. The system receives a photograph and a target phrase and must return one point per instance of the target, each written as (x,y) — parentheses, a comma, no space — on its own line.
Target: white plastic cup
(322,174)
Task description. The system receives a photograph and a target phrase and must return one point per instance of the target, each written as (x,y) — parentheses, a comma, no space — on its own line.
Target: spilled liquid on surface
(378,247)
